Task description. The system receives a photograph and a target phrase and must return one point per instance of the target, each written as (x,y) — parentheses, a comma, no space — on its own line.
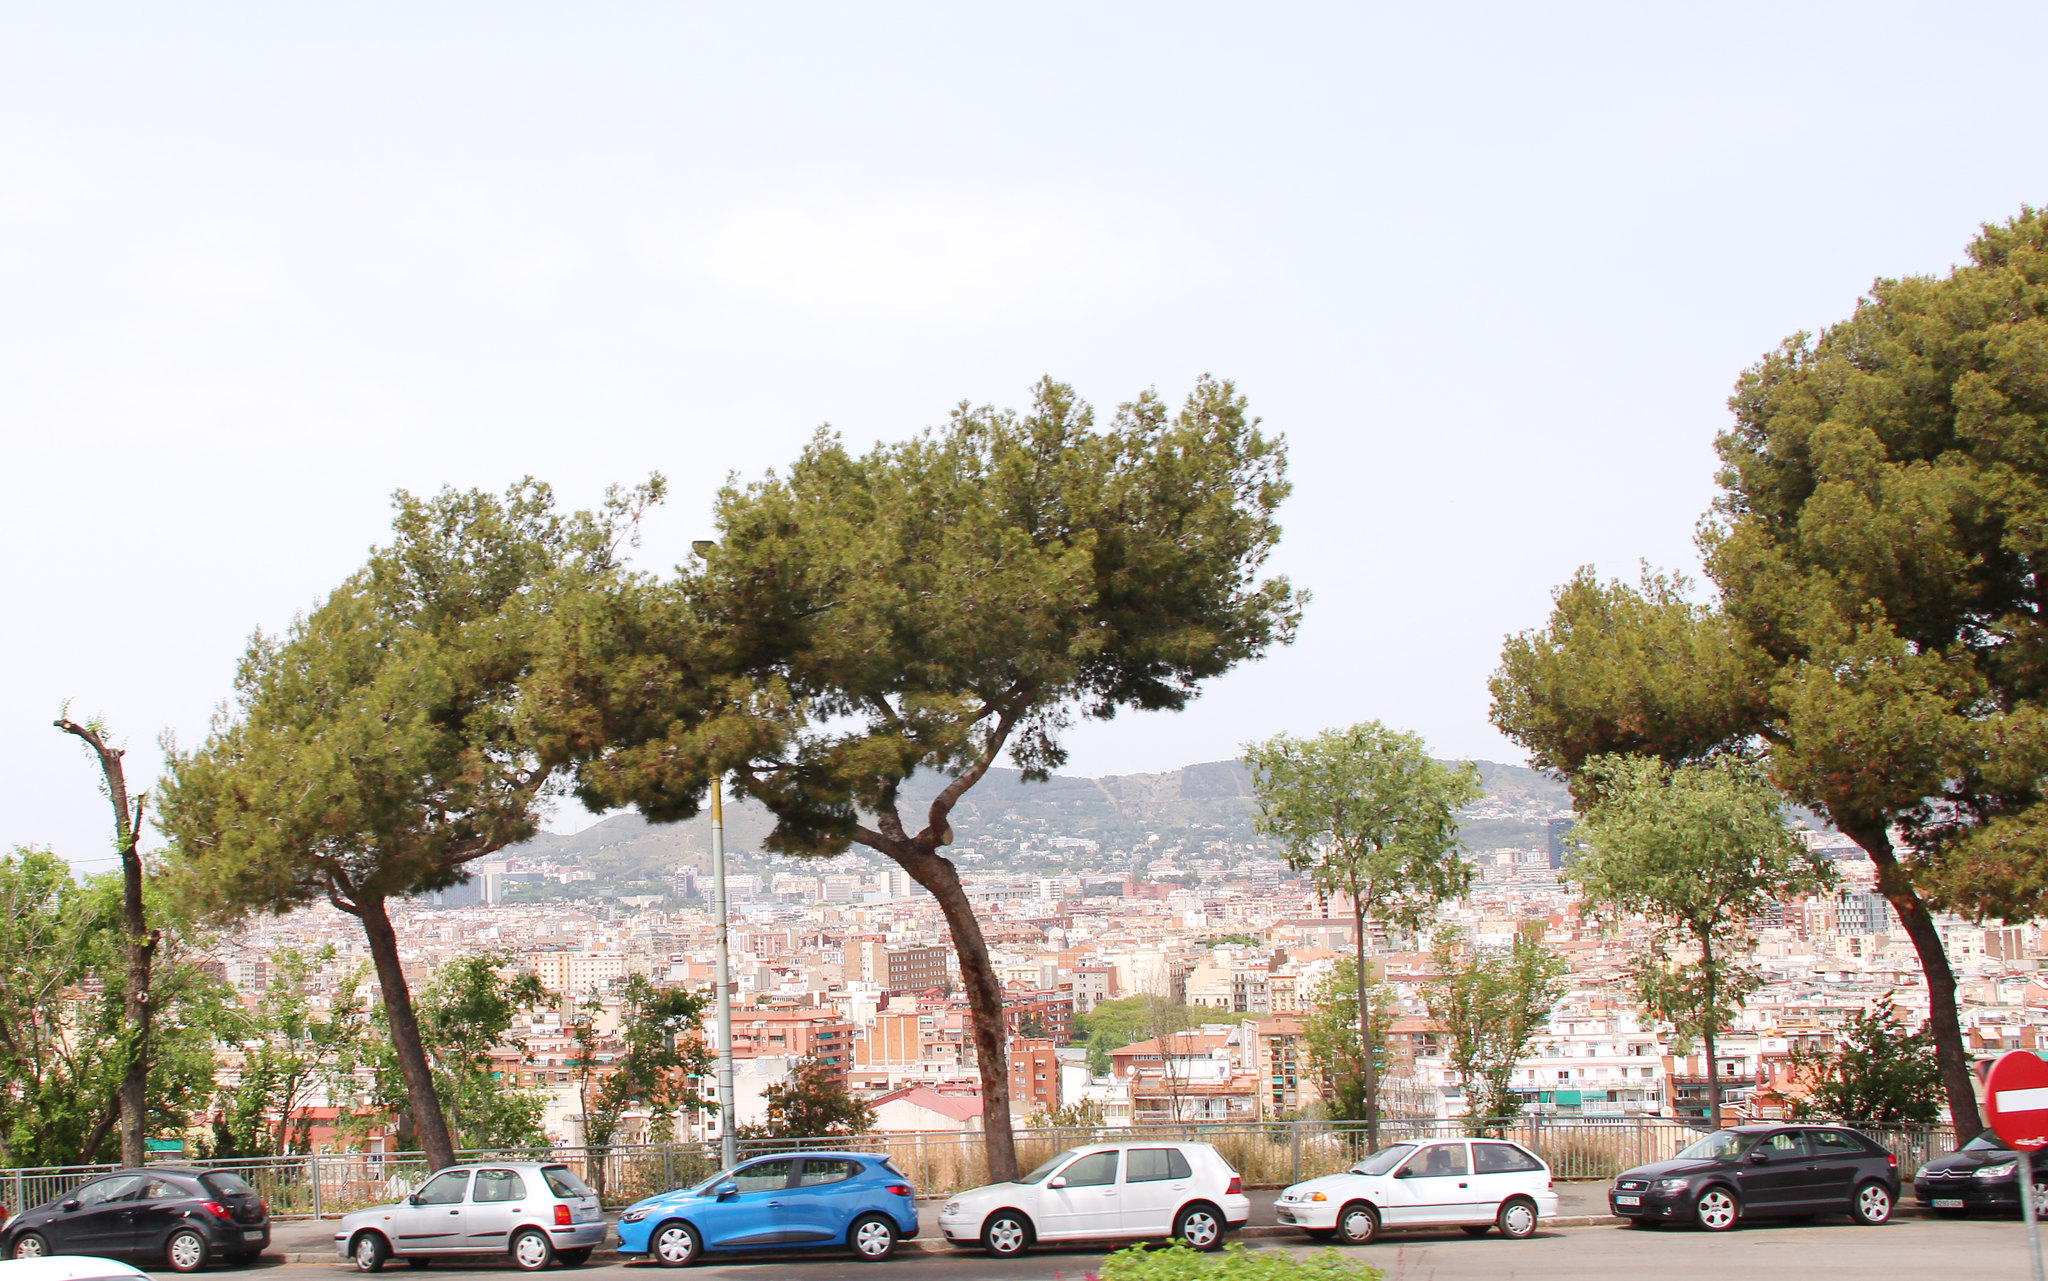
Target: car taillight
(899,1189)
(263,1208)
(1892,1159)
(217,1210)
(1236,1185)
(561,1216)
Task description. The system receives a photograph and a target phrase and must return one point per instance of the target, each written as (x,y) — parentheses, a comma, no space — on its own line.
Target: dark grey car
(1762,1171)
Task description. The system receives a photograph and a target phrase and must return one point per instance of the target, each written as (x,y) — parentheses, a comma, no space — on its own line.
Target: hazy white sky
(1491,269)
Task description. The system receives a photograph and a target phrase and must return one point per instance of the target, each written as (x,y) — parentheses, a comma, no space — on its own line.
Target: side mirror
(726,1189)
(1057,1181)
(1758,1155)
(71,1205)
(413,1199)
(1407,1172)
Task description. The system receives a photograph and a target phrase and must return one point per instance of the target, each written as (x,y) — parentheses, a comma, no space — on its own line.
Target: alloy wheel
(2041,1200)
(30,1246)
(185,1252)
(873,1239)
(1716,1210)
(1873,1203)
(1200,1229)
(1005,1236)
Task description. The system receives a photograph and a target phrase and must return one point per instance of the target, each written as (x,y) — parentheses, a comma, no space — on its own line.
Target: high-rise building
(1560,839)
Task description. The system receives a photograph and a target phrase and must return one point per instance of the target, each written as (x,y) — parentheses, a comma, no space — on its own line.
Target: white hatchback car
(1475,1184)
(1183,1190)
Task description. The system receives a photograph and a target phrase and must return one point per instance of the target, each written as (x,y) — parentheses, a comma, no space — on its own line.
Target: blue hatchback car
(804,1200)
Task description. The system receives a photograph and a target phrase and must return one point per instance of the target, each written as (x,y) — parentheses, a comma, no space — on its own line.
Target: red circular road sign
(2016,1100)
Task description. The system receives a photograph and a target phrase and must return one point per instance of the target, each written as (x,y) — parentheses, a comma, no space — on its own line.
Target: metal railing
(1268,1153)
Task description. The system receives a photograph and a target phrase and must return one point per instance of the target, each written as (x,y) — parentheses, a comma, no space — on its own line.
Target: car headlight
(1671,1185)
(633,1216)
(1999,1171)
(951,1207)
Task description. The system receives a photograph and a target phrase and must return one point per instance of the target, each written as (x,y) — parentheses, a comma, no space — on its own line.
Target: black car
(185,1218)
(1762,1171)
(1983,1174)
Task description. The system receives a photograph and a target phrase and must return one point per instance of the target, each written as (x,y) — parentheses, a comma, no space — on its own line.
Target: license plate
(253,1236)
(1627,1200)
(1948,1203)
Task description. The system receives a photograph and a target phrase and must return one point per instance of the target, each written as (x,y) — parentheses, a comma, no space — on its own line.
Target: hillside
(1199,804)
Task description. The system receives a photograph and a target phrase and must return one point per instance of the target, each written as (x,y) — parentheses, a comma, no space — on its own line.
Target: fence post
(1294,1161)
(314,1161)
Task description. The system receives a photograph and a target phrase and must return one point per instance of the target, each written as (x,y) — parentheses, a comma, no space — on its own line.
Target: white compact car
(533,1213)
(1183,1190)
(1475,1184)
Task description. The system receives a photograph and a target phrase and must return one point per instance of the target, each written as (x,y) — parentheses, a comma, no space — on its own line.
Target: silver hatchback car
(534,1213)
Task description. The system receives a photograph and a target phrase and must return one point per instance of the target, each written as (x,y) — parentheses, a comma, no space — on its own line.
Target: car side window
(1833,1143)
(822,1170)
(1444,1161)
(1502,1158)
(162,1190)
(1154,1165)
(763,1176)
(499,1185)
(122,1187)
(1785,1145)
(445,1188)
(1092,1171)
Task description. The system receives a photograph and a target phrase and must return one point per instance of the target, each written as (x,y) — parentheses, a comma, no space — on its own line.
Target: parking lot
(1903,1248)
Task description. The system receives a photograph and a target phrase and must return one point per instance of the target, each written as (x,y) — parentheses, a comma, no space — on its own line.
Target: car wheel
(1358,1224)
(1006,1235)
(2041,1200)
(1517,1219)
(185,1251)
(31,1245)
(1201,1226)
(369,1251)
(1717,1210)
(1873,1204)
(872,1237)
(575,1258)
(531,1252)
(674,1245)
(1476,1229)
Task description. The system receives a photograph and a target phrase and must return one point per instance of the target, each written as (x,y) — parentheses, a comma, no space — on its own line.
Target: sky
(1491,270)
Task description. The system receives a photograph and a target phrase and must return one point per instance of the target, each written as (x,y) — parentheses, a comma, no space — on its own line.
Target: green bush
(1232,1263)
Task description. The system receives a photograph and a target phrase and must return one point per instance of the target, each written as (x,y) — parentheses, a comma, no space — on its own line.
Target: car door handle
(774,1203)
(1461,1185)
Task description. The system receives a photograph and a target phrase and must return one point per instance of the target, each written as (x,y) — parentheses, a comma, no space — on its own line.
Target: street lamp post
(728,1141)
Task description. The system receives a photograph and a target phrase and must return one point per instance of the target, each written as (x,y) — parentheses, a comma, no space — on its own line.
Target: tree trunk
(1942,1018)
(1708,1027)
(1372,1071)
(428,1121)
(132,1095)
(984,1001)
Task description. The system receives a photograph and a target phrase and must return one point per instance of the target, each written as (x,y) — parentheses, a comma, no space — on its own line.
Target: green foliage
(1368,814)
(1240,940)
(1700,851)
(1112,1025)
(811,1103)
(1178,1262)
(1492,1005)
(465,1012)
(657,1051)
(285,1049)
(1330,1032)
(1880,1075)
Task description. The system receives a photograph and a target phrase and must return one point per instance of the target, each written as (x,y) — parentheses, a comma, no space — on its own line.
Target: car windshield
(562,1181)
(1985,1142)
(1719,1144)
(1038,1175)
(1384,1160)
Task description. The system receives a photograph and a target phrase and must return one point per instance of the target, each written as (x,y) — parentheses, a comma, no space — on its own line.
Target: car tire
(575,1258)
(1717,1210)
(1006,1234)
(369,1250)
(1872,1204)
(674,1244)
(872,1238)
(1517,1218)
(185,1251)
(1200,1225)
(1358,1224)
(531,1251)
(30,1245)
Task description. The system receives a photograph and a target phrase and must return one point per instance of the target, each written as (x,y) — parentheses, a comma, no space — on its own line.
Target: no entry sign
(2016,1100)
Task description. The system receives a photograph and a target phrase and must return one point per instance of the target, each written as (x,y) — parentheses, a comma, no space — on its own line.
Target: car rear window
(1150,1165)
(562,1181)
(222,1183)
(1501,1158)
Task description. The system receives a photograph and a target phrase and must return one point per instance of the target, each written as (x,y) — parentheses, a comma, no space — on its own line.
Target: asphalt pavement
(1797,1252)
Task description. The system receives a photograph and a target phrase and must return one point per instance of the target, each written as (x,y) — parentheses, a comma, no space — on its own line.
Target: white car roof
(66,1267)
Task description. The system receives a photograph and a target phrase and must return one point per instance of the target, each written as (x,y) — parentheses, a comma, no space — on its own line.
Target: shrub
(1232,1263)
